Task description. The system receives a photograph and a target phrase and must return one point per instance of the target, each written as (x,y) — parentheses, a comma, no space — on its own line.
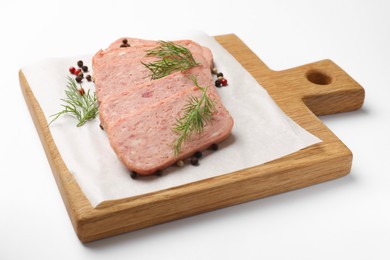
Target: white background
(347,218)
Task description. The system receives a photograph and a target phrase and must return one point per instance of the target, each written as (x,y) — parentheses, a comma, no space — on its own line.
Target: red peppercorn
(82,92)
(77,72)
(224,82)
(72,70)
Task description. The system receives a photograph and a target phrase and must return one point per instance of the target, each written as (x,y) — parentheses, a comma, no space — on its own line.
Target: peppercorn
(77,72)
(194,161)
(198,154)
(214,71)
(84,68)
(124,43)
(88,77)
(80,63)
(72,70)
(133,175)
(79,79)
(180,163)
(220,78)
(214,147)
(101,127)
(218,83)
(81,91)
(81,75)
(220,74)
(224,82)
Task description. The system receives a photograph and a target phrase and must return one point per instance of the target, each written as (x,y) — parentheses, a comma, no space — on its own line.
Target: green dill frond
(173,57)
(196,113)
(82,106)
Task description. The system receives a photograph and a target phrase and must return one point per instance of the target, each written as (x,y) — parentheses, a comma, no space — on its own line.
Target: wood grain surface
(303,93)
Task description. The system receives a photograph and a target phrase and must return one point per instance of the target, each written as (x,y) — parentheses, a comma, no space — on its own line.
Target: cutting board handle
(322,86)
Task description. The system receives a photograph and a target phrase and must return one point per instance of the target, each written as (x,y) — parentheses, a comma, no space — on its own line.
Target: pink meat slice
(143,140)
(114,54)
(117,70)
(194,47)
(138,114)
(119,74)
(127,102)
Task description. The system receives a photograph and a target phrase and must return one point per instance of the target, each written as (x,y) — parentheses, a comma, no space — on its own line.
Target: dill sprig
(196,113)
(172,57)
(78,103)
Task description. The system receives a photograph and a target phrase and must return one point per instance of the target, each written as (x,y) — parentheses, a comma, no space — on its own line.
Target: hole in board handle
(318,77)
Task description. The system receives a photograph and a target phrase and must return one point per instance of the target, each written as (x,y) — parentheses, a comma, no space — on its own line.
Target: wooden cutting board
(303,93)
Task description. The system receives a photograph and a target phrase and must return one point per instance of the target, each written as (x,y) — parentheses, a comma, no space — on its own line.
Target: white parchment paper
(261,133)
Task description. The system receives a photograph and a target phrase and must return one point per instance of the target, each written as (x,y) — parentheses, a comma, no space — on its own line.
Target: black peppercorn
(101,127)
(133,175)
(81,75)
(214,147)
(218,83)
(79,79)
(220,74)
(124,44)
(198,154)
(80,63)
(84,68)
(88,77)
(194,161)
